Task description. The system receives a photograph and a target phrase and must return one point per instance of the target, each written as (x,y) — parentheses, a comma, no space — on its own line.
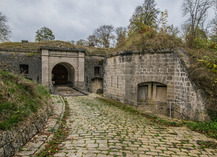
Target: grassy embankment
(35,47)
(19,98)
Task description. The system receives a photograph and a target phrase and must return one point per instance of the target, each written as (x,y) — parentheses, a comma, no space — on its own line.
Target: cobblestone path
(99,129)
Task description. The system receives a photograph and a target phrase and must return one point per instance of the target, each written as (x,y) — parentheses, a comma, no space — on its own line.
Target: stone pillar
(80,78)
(150,91)
(45,68)
(154,96)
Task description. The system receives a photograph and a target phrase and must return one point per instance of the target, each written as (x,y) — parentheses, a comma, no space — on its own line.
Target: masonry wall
(115,76)
(188,101)
(93,78)
(126,72)
(11,61)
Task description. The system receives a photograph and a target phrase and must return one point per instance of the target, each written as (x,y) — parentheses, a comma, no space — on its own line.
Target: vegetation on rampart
(19,98)
(35,46)
(203,72)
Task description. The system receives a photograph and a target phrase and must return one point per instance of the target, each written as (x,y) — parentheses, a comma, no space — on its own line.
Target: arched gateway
(63,73)
(63,66)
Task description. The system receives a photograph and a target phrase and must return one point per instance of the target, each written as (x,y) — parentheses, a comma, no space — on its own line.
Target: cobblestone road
(99,129)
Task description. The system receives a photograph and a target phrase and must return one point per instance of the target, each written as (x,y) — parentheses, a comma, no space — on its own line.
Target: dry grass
(35,46)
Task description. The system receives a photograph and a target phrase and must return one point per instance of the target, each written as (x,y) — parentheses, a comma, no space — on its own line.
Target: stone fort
(154,80)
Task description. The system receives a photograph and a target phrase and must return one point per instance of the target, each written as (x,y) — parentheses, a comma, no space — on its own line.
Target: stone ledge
(38,142)
(148,51)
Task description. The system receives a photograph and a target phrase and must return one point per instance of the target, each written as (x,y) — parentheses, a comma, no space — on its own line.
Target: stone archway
(62,74)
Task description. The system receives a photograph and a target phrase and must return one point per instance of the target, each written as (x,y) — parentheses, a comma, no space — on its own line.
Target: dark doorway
(59,75)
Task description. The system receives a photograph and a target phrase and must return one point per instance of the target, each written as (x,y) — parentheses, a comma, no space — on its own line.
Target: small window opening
(96,70)
(24,69)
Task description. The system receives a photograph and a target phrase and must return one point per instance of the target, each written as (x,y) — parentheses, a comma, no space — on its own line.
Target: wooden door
(60,75)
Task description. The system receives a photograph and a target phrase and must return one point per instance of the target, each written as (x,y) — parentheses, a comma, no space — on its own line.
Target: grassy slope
(19,98)
(35,46)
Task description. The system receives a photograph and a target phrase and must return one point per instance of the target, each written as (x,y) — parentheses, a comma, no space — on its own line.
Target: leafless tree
(72,42)
(104,34)
(196,10)
(5,31)
(92,40)
(214,23)
(82,42)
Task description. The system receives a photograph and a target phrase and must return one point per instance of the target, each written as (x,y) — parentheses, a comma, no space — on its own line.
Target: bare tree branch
(5,31)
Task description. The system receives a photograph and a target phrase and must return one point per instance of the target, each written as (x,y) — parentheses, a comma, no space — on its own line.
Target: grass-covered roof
(36,46)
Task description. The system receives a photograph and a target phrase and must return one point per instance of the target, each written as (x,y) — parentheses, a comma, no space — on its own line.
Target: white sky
(77,19)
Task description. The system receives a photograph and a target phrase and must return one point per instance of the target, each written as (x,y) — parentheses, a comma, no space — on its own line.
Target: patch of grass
(208,128)
(51,130)
(60,135)
(19,98)
(207,144)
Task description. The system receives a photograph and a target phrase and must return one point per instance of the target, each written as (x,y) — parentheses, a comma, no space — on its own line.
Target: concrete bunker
(152,92)
(63,74)
(97,85)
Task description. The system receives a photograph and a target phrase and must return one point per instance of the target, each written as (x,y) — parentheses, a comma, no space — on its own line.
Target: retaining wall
(12,140)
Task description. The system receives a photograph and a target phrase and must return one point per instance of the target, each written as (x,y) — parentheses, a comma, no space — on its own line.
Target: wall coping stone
(62,49)
(20,50)
(131,52)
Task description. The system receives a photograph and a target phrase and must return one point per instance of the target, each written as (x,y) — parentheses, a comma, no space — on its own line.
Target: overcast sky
(76,19)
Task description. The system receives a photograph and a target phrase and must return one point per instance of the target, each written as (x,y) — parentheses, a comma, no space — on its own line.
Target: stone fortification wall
(156,81)
(12,140)
(12,60)
(189,103)
(94,72)
(115,76)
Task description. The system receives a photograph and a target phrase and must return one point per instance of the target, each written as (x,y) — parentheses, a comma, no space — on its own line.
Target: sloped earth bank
(99,129)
